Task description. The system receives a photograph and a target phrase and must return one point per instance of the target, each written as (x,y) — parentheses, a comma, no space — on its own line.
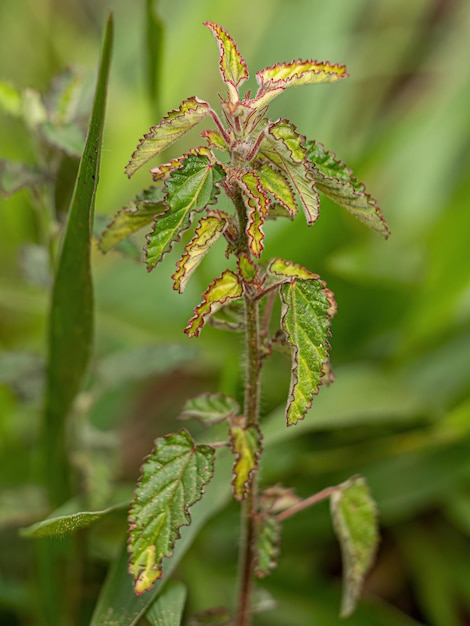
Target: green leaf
(68,137)
(173,126)
(118,368)
(336,180)
(355,522)
(268,538)
(17,176)
(71,318)
(210,408)
(280,271)
(222,290)
(167,610)
(232,65)
(57,525)
(207,232)
(278,186)
(283,147)
(307,309)
(273,80)
(248,270)
(134,216)
(10,99)
(246,445)
(118,605)
(189,189)
(173,479)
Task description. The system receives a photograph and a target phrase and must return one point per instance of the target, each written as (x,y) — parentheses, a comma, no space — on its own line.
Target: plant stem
(304,504)
(252,386)
(251,413)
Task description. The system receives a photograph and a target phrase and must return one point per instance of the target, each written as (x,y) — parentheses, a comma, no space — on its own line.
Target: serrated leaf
(278,186)
(59,525)
(215,140)
(210,408)
(17,176)
(336,180)
(247,268)
(223,289)
(173,479)
(288,270)
(273,80)
(355,522)
(246,445)
(268,538)
(208,231)
(189,189)
(232,65)
(257,203)
(167,610)
(173,126)
(135,215)
(307,308)
(283,147)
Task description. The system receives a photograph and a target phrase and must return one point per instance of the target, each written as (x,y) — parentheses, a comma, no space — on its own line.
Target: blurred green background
(399,411)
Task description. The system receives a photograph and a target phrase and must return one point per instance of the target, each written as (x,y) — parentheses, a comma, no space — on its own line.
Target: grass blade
(71,318)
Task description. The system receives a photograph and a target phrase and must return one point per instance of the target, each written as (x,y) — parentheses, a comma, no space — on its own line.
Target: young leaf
(268,538)
(248,270)
(273,80)
(134,216)
(231,316)
(173,479)
(71,317)
(283,147)
(210,408)
(167,610)
(337,181)
(306,313)
(214,140)
(173,126)
(257,203)
(189,189)
(206,234)
(232,65)
(355,522)
(278,186)
(223,289)
(246,445)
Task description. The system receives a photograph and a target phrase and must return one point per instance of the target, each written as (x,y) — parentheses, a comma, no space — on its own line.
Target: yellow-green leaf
(299,73)
(173,126)
(257,203)
(222,290)
(206,234)
(283,147)
(307,308)
(173,479)
(232,65)
(246,445)
(278,186)
(355,522)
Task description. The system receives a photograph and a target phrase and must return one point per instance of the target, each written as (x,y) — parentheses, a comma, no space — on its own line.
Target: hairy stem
(252,386)
(251,412)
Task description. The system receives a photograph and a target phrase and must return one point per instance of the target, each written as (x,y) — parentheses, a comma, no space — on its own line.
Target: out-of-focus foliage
(399,411)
